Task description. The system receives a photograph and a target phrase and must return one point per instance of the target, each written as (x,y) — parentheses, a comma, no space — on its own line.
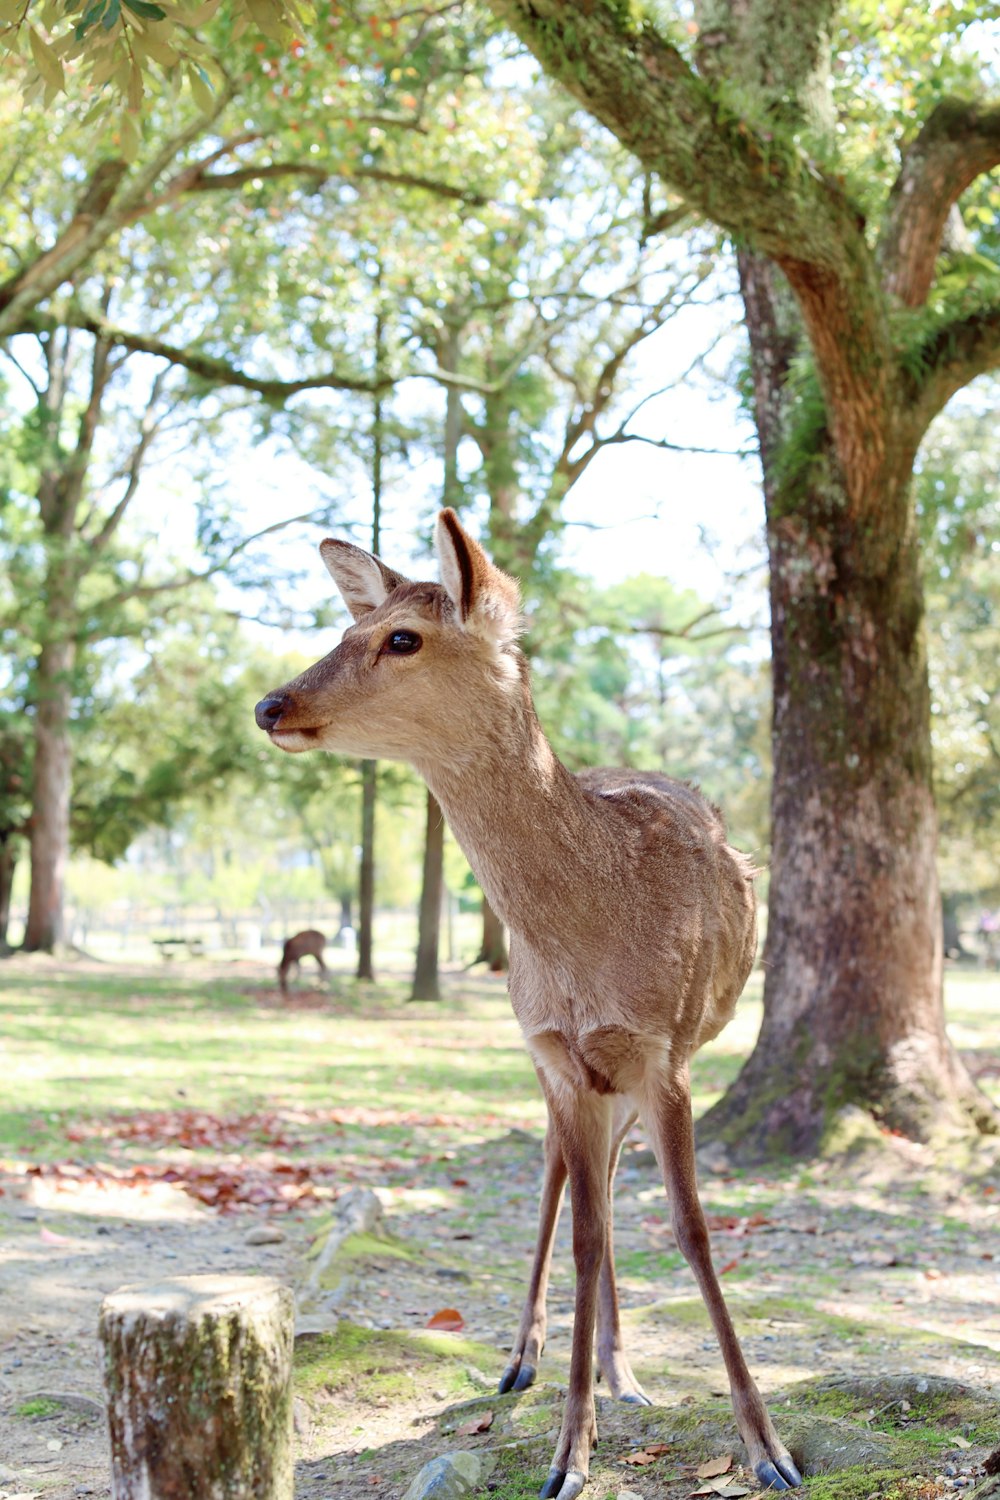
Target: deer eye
(403,643)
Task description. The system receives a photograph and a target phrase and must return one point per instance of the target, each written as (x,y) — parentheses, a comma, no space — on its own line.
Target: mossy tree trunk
(851,360)
(198,1374)
(853,963)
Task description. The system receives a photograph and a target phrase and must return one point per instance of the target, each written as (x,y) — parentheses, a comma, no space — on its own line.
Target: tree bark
(425,977)
(198,1373)
(50,798)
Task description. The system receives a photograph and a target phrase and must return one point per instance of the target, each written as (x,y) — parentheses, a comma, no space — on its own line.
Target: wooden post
(198,1375)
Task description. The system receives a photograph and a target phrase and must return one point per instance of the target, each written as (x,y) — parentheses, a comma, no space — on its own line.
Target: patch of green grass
(80,1045)
(38,1406)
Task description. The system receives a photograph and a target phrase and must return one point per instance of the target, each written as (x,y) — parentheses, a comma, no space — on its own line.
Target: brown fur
(307,944)
(632,923)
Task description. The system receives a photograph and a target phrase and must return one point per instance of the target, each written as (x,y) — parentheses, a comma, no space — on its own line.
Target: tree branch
(958,143)
(100,212)
(953,355)
(218,371)
(213,182)
(757,185)
(181,580)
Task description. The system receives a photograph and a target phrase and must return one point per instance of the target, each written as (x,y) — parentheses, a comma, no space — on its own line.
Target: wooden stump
(198,1374)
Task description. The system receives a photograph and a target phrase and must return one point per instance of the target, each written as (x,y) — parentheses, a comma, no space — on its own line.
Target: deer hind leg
(583,1123)
(668,1118)
(527,1348)
(612,1362)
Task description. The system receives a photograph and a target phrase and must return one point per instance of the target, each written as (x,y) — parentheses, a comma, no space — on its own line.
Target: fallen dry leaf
(49,1237)
(482,1423)
(713,1466)
(961,1442)
(448,1320)
(647,1455)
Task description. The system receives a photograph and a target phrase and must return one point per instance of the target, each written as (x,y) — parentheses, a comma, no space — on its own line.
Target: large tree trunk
(50,797)
(425,977)
(853,1007)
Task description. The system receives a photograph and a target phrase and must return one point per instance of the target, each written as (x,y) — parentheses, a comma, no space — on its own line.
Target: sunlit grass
(80,1041)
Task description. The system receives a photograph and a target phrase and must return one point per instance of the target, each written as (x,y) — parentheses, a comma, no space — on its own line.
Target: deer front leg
(530,1341)
(612,1362)
(668,1118)
(582,1121)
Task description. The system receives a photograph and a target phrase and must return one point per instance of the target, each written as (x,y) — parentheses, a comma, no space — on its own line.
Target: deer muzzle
(269,710)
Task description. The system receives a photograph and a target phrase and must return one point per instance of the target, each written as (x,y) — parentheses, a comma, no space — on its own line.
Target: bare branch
(190,576)
(214,182)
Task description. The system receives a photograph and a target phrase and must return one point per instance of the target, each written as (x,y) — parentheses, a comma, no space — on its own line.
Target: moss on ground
(374,1365)
(914,1407)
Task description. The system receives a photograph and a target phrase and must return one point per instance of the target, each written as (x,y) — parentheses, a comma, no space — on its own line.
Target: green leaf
(146,9)
(90,17)
(130,138)
(111,15)
(201,90)
(46,60)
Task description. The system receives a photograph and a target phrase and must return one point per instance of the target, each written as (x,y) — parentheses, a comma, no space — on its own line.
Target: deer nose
(269,710)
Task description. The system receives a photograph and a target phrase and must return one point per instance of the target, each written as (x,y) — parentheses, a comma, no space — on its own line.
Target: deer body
(307,944)
(632,926)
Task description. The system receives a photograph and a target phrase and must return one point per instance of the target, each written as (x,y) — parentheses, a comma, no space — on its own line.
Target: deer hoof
(562,1484)
(516,1377)
(634,1398)
(778,1474)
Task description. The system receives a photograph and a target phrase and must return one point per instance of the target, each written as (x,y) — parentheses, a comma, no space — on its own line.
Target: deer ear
(363,579)
(486,599)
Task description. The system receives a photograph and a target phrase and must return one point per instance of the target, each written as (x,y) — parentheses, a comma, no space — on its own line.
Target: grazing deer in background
(308,944)
(632,924)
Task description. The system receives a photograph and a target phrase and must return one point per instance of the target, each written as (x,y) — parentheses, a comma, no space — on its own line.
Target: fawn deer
(307,944)
(632,927)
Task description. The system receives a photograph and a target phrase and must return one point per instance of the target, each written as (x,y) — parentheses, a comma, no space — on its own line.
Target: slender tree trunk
(853,1010)
(366,872)
(8,864)
(493,951)
(425,977)
(369,769)
(50,799)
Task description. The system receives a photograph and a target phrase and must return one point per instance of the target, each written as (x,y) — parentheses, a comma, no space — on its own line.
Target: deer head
(412,676)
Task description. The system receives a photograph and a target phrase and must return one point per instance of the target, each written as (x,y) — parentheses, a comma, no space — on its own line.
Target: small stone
(453,1476)
(264,1234)
(628,1495)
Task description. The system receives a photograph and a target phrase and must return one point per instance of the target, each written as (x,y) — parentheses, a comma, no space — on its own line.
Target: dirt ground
(882,1263)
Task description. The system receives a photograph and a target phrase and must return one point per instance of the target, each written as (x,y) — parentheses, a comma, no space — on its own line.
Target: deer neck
(519,816)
